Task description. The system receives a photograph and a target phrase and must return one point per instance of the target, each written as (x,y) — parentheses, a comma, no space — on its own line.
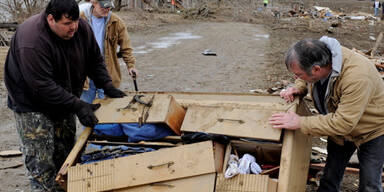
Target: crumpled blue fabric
(108,129)
(146,132)
(135,133)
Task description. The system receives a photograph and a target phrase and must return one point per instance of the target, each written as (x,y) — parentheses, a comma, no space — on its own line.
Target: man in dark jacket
(50,56)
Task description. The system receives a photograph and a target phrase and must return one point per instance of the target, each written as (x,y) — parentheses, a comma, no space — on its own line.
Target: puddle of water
(140,51)
(165,42)
(261,36)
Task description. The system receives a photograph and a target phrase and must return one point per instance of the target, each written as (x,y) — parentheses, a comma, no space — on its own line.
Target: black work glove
(85,113)
(112,92)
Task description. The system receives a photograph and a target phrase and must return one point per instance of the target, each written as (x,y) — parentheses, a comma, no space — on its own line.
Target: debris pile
(203,11)
(324,13)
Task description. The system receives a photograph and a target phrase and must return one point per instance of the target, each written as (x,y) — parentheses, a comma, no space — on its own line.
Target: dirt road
(169,59)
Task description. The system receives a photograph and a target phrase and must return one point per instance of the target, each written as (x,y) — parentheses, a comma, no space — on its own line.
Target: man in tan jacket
(348,92)
(110,32)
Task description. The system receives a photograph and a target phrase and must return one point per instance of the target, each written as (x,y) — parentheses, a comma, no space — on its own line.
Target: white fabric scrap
(233,167)
(255,168)
(245,164)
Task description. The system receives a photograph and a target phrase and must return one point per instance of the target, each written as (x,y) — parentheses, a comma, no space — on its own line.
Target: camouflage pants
(45,145)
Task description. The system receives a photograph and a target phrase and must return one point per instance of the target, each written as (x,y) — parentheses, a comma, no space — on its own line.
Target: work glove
(85,113)
(112,92)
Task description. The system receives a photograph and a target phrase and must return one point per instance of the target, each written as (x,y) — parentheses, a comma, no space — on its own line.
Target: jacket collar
(337,56)
(88,15)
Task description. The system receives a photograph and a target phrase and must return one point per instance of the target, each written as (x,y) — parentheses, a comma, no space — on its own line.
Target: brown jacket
(355,103)
(115,34)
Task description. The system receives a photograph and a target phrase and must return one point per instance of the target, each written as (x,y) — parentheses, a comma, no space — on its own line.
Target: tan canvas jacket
(115,34)
(355,103)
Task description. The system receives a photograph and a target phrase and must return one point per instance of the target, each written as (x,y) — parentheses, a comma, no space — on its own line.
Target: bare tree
(117,5)
(19,10)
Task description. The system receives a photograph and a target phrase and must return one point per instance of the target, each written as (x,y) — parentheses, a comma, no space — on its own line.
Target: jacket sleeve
(125,45)
(355,95)
(301,85)
(37,70)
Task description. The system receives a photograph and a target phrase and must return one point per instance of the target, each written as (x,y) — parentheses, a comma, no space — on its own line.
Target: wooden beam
(347,169)
(378,41)
(295,155)
(73,155)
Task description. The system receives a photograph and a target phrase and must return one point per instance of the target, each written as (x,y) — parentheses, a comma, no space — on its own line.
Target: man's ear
(316,69)
(50,19)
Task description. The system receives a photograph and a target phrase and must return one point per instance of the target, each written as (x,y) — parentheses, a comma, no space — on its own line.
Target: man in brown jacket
(110,32)
(349,93)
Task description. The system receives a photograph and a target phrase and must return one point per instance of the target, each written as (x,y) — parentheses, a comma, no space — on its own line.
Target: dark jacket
(44,73)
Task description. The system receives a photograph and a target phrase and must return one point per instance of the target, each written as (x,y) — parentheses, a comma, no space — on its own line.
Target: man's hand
(85,113)
(288,120)
(112,92)
(289,94)
(132,71)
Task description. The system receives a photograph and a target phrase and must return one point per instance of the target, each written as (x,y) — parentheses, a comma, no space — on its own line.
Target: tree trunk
(117,5)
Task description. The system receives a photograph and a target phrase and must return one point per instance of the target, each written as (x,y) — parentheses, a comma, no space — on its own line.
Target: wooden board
(246,183)
(205,183)
(164,109)
(237,122)
(157,166)
(10,153)
(61,177)
(187,99)
(295,156)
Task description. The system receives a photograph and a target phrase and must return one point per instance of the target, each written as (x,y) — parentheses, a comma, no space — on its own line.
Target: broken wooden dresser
(199,166)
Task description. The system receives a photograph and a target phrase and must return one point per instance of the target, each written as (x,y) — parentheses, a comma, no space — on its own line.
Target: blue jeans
(90,94)
(371,159)
(376,11)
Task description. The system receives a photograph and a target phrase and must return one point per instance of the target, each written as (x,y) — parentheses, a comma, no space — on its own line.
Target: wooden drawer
(151,167)
(246,183)
(237,122)
(164,109)
(201,183)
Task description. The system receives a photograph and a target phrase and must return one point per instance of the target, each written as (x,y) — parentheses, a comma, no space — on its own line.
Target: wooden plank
(227,154)
(164,109)
(112,110)
(13,164)
(378,41)
(157,166)
(347,169)
(175,116)
(10,153)
(141,143)
(246,183)
(237,122)
(295,156)
(269,171)
(204,183)
(223,99)
(61,177)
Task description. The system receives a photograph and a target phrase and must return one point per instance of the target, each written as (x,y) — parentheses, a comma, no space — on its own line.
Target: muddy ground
(250,44)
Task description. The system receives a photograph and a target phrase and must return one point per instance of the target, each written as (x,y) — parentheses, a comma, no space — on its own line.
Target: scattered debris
(258,91)
(320,150)
(202,12)
(323,140)
(208,52)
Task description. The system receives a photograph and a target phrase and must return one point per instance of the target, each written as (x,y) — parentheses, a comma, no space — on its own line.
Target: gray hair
(308,53)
